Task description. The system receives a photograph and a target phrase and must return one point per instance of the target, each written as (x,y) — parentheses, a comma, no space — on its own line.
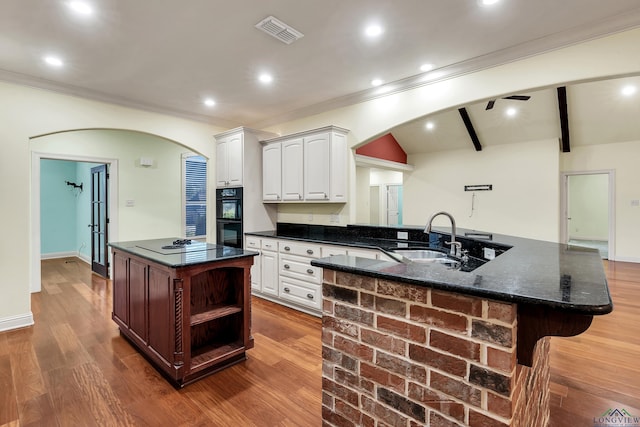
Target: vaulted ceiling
(598,112)
(170,56)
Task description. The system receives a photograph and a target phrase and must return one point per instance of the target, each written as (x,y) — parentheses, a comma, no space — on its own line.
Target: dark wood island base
(188,313)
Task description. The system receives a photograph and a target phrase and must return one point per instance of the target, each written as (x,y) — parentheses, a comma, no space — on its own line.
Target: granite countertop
(525,270)
(165,252)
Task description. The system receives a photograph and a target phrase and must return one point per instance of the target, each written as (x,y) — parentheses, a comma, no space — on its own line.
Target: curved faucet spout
(455,246)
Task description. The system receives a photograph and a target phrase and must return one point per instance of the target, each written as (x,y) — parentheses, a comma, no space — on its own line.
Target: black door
(99,221)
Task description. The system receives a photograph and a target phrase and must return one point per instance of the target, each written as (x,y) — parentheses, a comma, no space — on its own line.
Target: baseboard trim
(58,255)
(626,259)
(15,322)
(55,255)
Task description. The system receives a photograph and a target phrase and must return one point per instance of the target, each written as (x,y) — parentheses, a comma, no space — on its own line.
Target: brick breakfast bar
(409,344)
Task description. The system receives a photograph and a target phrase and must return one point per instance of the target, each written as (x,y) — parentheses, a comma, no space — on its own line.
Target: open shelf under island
(185,307)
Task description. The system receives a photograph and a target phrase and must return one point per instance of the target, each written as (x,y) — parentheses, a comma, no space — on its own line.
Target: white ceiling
(168,56)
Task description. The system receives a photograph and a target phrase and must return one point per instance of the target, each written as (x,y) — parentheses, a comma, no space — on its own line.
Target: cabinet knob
(299,196)
(310,296)
(287,248)
(325,195)
(310,251)
(310,271)
(286,290)
(286,266)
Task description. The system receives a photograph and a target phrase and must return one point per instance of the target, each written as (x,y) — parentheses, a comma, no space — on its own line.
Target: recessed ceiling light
(426,67)
(628,90)
(53,61)
(80,7)
(430,126)
(376,82)
(265,78)
(488,2)
(511,112)
(209,102)
(373,30)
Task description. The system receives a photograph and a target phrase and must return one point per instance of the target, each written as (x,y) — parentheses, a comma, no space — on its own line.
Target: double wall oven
(229,217)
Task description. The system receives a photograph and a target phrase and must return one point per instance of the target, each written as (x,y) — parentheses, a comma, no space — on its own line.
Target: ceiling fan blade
(490,104)
(518,97)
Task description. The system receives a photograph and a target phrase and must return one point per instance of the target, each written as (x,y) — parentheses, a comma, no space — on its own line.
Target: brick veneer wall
(401,355)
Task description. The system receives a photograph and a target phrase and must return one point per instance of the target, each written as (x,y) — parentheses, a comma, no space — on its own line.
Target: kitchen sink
(423,255)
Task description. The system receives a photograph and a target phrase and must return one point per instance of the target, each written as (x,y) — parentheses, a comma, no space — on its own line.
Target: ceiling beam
(565,145)
(472,132)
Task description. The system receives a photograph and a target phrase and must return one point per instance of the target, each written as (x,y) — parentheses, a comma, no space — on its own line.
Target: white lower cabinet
(283,272)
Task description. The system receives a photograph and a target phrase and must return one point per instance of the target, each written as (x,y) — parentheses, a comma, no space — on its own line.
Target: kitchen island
(185,305)
(408,343)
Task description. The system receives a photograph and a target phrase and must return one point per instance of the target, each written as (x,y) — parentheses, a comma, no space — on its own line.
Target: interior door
(393,205)
(99,221)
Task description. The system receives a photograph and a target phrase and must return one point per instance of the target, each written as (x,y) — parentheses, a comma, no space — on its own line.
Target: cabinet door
(161,314)
(120,289)
(316,167)
(222,170)
(269,272)
(235,158)
(138,299)
(272,172)
(292,167)
(338,168)
(253,244)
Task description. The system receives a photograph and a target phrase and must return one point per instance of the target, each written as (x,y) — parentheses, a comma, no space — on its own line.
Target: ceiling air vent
(279,30)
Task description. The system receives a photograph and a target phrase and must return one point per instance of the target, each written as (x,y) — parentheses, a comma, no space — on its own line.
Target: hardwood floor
(73,369)
(600,369)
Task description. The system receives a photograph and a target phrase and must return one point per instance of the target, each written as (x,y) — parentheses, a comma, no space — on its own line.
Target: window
(194,190)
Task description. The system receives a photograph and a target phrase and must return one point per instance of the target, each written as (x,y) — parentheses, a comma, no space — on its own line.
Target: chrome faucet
(456,247)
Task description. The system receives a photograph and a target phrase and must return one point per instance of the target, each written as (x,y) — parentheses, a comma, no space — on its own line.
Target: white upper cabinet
(292,173)
(229,161)
(313,166)
(271,181)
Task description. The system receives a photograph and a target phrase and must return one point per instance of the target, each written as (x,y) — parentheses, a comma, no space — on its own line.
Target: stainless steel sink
(420,254)
(427,256)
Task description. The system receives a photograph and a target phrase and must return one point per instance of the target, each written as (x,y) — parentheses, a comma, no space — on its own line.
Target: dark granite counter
(165,252)
(523,271)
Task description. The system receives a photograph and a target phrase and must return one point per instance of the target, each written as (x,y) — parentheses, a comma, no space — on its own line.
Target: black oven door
(229,233)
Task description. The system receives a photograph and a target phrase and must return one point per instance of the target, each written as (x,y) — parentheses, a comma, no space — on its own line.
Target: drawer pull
(310,251)
(287,290)
(310,271)
(310,296)
(287,248)
(286,266)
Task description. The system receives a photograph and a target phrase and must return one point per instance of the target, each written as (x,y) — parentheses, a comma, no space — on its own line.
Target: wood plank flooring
(73,369)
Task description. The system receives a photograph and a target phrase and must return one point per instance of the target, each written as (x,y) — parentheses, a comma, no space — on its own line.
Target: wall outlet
(489,253)
(130,203)
(310,217)
(635,203)
(403,235)
(335,218)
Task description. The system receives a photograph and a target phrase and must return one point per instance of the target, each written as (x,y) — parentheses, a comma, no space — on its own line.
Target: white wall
(623,159)
(155,190)
(28,112)
(524,200)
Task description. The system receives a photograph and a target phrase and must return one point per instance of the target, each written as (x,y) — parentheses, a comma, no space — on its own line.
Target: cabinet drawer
(252,243)
(300,248)
(269,245)
(300,268)
(301,292)
(332,250)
